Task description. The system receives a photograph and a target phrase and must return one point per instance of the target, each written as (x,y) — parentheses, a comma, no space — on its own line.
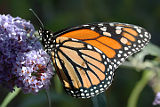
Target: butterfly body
(86,56)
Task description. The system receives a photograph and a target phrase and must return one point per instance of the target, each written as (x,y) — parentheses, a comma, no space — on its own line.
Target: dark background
(59,14)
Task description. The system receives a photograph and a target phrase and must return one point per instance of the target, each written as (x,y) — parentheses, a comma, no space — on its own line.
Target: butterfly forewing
(86,56)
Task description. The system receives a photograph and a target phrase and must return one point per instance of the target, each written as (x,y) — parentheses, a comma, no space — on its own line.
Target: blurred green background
(59,14)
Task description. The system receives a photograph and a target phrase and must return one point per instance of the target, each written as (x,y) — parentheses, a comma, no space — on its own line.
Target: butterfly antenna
(37,18)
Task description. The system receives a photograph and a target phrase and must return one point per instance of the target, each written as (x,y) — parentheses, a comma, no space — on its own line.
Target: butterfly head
(47,38)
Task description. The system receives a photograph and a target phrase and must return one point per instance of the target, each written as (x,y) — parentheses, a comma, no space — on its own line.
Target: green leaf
(10,97)
(152,49)
(133,99)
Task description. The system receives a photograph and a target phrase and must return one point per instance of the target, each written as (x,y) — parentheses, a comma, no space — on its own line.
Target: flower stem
(132,101)
(10,97)
(48,98)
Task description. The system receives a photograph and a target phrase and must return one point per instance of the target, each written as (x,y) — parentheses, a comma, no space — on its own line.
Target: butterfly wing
(82,68)
(86,56)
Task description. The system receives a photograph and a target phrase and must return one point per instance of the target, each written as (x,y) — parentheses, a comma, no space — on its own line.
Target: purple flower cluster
(23,62)
(157,99)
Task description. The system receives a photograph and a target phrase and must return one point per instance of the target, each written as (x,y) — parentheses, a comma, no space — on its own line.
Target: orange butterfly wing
(86,56)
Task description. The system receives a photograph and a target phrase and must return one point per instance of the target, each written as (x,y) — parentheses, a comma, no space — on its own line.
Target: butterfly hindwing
(81,68)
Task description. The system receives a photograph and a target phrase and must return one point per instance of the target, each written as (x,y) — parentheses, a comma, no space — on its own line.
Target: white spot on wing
(118,31)
(122,59)
(85,25)
(103,29)
(125,54)
(105,63)
(107,34)
(108,82)
(118,27)
(89,46)
(138,30)
(103,56)
(134,45)
(111,24)
(120,51)
(110,66)
(118,62)
(96,91)
(101,89)
(75,39)
(119,55)
(82,94)
(125,48)
(81,90)
(97,50)
(111,72)
(145,39)
(105,86)
(139,41)
(109,77)
(100,24)
(129,52)
(92,28)
(141,35)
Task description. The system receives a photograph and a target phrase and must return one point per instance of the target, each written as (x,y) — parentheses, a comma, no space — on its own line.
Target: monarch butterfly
(86,56)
